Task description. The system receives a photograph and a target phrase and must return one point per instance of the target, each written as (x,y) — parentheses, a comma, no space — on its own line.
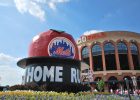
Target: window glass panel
(121,46)
(85,52)
(108,46)
(134,49)
(96,50)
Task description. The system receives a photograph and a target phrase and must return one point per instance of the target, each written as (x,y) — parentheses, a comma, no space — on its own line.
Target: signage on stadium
(85,38)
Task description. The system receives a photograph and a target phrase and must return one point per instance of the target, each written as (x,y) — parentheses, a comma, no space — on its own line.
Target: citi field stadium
(112,56)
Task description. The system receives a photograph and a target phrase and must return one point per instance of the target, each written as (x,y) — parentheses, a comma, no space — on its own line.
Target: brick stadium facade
(112,56)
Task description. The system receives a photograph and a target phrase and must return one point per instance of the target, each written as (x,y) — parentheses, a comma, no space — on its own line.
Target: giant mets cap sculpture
(53,58)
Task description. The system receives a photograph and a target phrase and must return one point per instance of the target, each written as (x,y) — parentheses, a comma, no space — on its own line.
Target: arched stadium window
(96,50)
(135,56)
(97,57)
(122,48)
(112,83)
(85,55)
(109,50)
(123,55)
(134,49)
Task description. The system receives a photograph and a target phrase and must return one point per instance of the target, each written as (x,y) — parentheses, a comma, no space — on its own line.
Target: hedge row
(52,87)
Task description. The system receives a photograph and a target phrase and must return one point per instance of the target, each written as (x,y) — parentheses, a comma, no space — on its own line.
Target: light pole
(90,78)
(90,75)
(134,82)
(127,85)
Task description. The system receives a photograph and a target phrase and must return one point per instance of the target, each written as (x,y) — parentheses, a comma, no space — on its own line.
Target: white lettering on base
(58,74)
(37,73)
(48,73)
(73,75)
(54,74)
(30,71)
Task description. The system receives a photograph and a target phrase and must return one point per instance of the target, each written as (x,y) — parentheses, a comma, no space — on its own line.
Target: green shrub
(100,85)
(58,87)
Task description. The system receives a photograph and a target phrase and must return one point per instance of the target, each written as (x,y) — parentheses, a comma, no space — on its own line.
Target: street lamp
(90,78)
(127,85)
(134,82)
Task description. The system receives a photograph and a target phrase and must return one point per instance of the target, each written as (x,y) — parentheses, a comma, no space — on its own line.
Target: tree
(100,85)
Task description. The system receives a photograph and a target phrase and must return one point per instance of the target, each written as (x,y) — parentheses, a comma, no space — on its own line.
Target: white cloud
(28,6)
(36,11)
(33,7)
(6,58)
(52,5)
(92,32)
(10,73)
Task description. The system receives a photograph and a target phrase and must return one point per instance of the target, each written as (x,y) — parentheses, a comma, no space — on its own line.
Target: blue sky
(21,20)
